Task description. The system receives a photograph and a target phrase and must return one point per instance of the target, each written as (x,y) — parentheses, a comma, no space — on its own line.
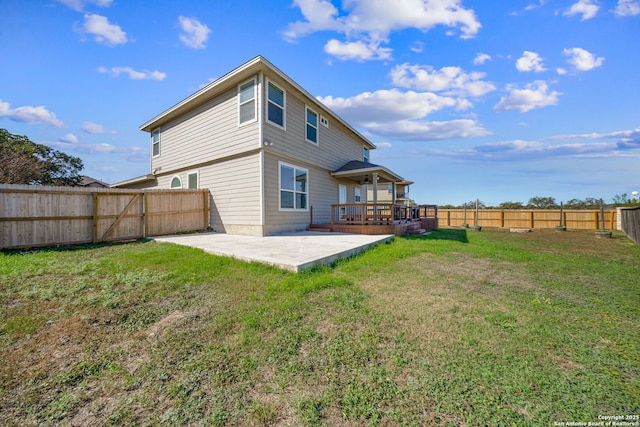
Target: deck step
(416,231)
(326,228)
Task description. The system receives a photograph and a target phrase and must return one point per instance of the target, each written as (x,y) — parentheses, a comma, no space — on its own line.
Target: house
(88,181)
(392,193)
(273,157)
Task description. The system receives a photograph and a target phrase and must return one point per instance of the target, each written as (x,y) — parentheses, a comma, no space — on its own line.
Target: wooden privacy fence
(33,216)
(630,223)
(528,218)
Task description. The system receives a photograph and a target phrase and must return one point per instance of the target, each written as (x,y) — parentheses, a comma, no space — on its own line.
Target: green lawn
(455,328)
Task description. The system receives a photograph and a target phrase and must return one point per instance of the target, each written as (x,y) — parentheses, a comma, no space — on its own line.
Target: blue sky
(496,100)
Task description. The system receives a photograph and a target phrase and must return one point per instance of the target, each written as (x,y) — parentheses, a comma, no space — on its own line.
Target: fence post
(595,220)
(531,219)
(94,238)
(502,218)
(144,215)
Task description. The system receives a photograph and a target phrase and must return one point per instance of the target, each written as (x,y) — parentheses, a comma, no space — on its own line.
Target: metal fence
(34,216)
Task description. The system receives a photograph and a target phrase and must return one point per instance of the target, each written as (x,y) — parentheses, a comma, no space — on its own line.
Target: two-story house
(273,157)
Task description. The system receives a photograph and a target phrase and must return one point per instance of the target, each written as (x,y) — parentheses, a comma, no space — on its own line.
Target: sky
(470,99)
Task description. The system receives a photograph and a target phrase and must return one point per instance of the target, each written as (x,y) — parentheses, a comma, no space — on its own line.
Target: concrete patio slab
(294,251)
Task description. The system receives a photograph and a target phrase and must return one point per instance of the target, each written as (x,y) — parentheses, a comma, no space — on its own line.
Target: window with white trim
(311,133)
(357,198)
(365,154)
(192,180)
(275,105)
(247,102)
(294,187)
(155,142)
(176,182)
(324,121)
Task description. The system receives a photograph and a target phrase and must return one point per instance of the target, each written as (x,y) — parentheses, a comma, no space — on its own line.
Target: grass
(455,328)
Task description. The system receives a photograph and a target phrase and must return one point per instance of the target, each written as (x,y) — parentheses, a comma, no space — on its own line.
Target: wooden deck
(364,218)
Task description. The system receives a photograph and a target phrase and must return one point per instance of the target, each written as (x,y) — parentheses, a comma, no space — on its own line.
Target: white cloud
(587,8)
(628,8)
(79,4)
(69,138)
(30,115)
(534,95)
(451,80)
(383,145)
(582,59)
(194,33)
(133,74)
(103,30)
(131,153)
(530,61)
(417,47)
(359,50)
(561,71)
(387,105)
(95,128)
(421,130)
(481,58)
(370,22)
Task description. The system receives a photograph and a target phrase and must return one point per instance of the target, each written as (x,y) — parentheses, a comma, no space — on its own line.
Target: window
(293,187)
(247,102)
(365,154)
(389,188)
(192,180)
(176,182)
(312,126)
(358,195)
(155,142)
(324,121)
(275,104)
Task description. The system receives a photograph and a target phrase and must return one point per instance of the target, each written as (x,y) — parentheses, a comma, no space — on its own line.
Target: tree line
(551,203)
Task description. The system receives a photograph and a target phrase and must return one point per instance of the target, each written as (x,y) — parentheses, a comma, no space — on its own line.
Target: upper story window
(155,142)
(294,188)
(275,105)
(312,126)
(324,121)
(365,154)
(247,102)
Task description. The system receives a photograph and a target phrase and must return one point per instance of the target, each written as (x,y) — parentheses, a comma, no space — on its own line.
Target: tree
(542,203)
(510,205)
(25,162)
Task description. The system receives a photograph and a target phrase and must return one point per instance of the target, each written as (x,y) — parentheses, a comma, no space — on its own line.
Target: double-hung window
(155,142)
(294,187)
(247,102)
(365,154)
(275,105)
(312,126)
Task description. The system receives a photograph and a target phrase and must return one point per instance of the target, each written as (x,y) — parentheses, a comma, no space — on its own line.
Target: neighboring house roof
(231,79)
(87,181)
(362,171)
(135,181)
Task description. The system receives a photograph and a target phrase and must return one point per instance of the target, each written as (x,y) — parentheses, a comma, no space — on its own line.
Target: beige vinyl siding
(322,193)
(209,132)
(234,185)
(336,145)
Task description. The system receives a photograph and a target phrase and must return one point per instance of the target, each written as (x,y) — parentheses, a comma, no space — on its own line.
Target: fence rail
(528,218)
(34,216)
(630,223)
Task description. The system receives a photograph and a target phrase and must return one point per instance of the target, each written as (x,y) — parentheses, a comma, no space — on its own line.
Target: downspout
(260,146)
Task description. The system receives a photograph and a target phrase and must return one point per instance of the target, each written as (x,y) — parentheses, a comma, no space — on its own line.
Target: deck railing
(373,214)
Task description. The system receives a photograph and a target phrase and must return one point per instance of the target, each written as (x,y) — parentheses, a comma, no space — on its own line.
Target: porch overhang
(363,173)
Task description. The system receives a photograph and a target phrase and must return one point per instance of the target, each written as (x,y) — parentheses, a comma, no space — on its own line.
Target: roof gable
(233,78)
